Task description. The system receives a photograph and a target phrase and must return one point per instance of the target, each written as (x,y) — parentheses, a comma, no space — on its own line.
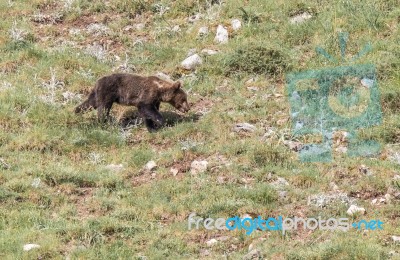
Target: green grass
(82,210)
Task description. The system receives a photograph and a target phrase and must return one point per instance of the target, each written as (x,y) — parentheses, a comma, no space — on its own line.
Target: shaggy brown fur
(145,93)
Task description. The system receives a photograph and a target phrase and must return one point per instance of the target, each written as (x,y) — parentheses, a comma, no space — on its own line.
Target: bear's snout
(184,108)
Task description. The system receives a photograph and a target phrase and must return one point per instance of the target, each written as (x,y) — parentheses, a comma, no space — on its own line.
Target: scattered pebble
(194,18)
(364,170)
(29,247)
(3,164)
(396,239)
(294,146)
(203,31)
(174,171)
(198,167)
(245,127)
(354,210)
(280,183)
(36,183)
(190,63)
(322,200)
(253,254)
(251,88)
(222,35)
(115,167)
(368,83)
(236,24)
(209,52)
(164,76)
(300,18)
(211,242)
(151,165)
(176,28)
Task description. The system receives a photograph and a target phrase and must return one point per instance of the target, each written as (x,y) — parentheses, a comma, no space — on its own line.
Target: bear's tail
(87,104)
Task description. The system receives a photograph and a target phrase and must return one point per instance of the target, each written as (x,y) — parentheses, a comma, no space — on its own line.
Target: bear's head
(178,97)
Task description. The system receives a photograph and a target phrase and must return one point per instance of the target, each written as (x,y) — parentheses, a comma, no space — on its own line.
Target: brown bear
(145,93)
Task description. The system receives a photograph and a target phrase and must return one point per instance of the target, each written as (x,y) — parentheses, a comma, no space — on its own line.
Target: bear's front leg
(153,118)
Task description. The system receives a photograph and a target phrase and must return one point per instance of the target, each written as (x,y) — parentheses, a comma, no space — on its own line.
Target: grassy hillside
(62,185)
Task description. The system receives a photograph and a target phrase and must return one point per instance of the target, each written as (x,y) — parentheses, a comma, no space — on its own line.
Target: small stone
(364,170)
(164,76)
(236,24)
(203,31)
(282,194)
(139,26)
(374,201)
(151,165)
(253,254)
(176,28)
(115,167)
(29,247)
(368,83)
(300,18)
(396,239)
(209,52)
(36,183)
(222,35)
(354,210)
(251,88)
(245,127)
(396,177)
(174,171)
(294,146)
(194,18)
(190,63)
(211,242)
(388,198)
(198,167)
(280,182)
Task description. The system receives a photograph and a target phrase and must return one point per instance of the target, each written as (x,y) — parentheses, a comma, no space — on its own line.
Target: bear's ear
(177,85)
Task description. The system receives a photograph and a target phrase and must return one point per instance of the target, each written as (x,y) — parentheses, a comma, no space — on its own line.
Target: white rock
(36,183)
(198,167)
(374,201)
(115,167)
(388,197)
(164,76)
(300,18)
(176,28)
(139,26)
(280,182)
(174,171)
(203,31)
(396,239)
(211,242)
(192,62)
(194,18)
(354,209)
(246,127)
(151,165)
(29,247)
(222,35)
(253,254)
(209,52)
(236,24)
